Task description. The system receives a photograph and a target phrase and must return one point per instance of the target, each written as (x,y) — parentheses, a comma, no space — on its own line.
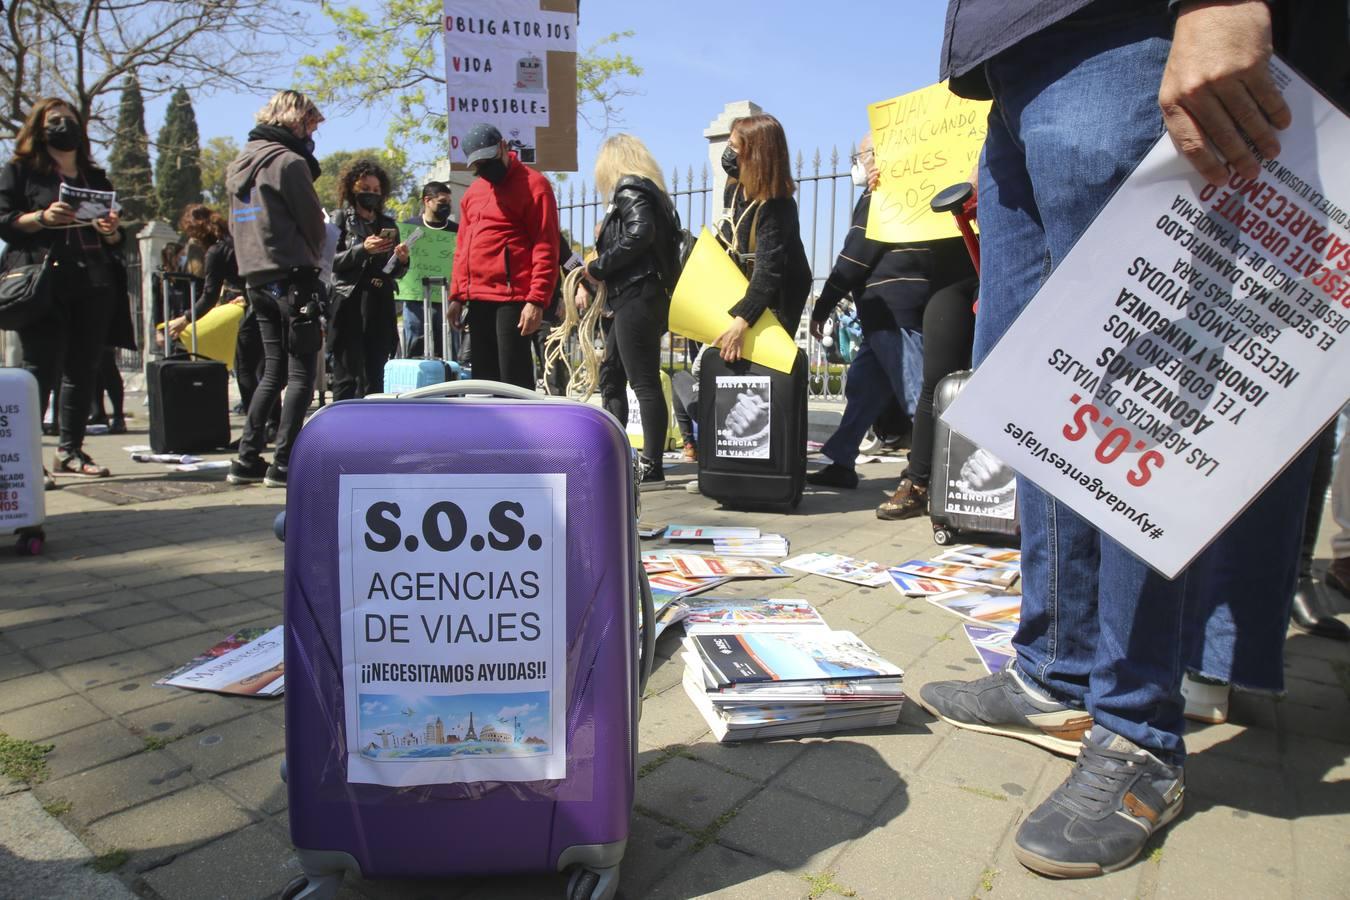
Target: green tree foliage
(403,188)
(129,159)
(178,166)
(218,153)
(390,54)
(83,50)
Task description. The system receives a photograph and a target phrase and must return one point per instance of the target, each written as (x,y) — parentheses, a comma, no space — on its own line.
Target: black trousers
(107,380)
(948,335)
(633,356)
(67,347)
(358,362)
(499,351)
(280,367)
(248,365)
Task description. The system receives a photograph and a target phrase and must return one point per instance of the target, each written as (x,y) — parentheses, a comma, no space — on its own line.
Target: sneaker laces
(1098,779)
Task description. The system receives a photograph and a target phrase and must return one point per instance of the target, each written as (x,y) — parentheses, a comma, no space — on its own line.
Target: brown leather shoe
(909,500)
(1338,575)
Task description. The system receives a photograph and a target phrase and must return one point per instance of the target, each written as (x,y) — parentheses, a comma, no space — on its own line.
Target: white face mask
(859,174)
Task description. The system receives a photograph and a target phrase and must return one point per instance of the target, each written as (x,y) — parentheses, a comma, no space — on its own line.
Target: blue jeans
(1099,628)
(1075,108)
(889,364)
(414,327)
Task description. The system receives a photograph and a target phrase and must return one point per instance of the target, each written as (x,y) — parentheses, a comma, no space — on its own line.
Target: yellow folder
(217,333)
(709,286)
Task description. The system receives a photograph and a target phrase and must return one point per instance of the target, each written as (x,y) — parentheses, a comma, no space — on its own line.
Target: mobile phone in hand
(390,234)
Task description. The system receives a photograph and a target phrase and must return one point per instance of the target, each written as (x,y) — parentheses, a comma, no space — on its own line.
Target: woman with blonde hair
(764,231)
(638,261)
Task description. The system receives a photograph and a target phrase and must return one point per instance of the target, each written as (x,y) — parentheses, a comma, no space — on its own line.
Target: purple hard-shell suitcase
(579,822)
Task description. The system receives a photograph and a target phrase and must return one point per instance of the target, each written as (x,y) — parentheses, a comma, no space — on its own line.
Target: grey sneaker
(1004,704)
(275,477)
(1099,819)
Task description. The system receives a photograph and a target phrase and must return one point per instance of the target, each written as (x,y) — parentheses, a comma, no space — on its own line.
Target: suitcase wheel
(942,535)
(593,884)
(304,887)
(30,543)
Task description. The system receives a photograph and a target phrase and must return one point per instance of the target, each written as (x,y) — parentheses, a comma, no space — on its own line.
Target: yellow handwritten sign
(925,141)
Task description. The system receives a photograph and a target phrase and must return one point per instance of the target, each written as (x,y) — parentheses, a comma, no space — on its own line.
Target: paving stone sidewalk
(185,786)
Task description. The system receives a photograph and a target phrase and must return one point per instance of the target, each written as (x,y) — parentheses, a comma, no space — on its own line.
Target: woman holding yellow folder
(763,232)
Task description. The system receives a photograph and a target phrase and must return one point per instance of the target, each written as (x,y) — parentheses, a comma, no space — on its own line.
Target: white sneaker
(1206,699)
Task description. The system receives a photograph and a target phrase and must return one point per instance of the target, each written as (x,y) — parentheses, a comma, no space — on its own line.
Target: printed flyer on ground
(1191,344)
(454,627)
(742,407)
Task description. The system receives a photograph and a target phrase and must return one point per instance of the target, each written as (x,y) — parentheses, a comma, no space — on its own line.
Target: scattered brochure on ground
(978,555)
(841,568)
(999,578)
(650,529)
(247,662)
(696,566)
(764,545)
(172,459)
(982,607)
(209,465)
(915,586)
(994,646)
(708,532)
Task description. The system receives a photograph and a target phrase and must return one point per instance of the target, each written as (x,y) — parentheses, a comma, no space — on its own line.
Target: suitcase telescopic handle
(472,387)
(648,632)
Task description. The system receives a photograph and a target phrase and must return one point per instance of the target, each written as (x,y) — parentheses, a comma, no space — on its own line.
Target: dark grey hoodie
(275,215)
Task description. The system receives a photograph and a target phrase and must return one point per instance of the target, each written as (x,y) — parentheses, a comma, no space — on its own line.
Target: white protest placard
(22,498)
(1193,341)
(454,627)
(496,67)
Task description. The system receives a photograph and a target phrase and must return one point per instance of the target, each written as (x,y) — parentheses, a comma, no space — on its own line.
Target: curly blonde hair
(289,109)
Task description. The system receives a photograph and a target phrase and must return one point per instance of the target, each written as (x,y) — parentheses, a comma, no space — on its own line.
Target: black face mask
(494,170)
(63,134)
(440,212)
(731,162)
(369,200)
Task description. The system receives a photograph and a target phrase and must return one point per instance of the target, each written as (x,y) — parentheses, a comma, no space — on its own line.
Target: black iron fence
(825,198)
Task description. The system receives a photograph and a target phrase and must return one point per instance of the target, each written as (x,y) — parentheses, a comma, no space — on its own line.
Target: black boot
(1309,613)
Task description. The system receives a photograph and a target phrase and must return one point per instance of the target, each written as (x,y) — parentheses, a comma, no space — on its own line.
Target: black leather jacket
(637,240)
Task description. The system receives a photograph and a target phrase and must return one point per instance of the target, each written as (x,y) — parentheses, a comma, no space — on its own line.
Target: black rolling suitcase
(752,433)
(189,395)
(970,490)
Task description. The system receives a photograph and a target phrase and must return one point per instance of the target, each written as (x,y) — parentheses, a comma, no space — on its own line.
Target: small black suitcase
(752,433)
(970,489)
(189,396)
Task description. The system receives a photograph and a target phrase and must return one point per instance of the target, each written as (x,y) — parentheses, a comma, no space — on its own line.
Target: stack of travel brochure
(806,679)
(765,668)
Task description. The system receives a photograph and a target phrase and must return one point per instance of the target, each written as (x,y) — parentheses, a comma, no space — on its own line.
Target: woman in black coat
(90,291)
(637,261)
(363,324)
(764,230)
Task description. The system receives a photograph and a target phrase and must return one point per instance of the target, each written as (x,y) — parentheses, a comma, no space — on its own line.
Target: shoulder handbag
(744,260)
(26,293)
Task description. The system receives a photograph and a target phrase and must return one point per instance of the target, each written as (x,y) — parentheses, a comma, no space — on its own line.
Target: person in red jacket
(506,259)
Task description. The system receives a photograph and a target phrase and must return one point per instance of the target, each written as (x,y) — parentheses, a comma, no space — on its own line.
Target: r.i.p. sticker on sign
(454,627)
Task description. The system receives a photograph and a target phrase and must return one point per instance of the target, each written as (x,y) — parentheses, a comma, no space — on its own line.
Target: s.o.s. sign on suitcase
(971,490)
(462,667)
